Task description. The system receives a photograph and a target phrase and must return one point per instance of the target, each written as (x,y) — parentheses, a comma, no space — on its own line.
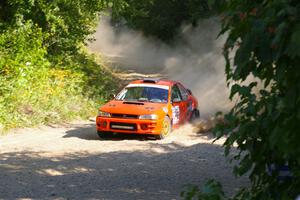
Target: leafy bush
(34,91)
(264,39)
(45,75)
(212,190)
(64,24)
(265,125)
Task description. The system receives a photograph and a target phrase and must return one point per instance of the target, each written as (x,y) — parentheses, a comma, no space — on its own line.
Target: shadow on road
(147,174)
(89,132)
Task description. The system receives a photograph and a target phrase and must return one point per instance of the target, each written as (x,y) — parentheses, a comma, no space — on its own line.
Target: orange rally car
(148,106)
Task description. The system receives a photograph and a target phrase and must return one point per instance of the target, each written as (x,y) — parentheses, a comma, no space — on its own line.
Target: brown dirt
(71,162)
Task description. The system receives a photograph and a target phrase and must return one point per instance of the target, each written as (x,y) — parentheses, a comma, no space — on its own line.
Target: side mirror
(176,100)
(189,91)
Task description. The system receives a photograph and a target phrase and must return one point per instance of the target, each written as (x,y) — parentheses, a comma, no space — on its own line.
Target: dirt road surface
(70,162)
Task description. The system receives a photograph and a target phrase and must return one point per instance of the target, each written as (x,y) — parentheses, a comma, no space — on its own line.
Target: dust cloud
(196,61)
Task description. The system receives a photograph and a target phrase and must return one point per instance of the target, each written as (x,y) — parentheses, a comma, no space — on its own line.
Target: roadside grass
(53,95)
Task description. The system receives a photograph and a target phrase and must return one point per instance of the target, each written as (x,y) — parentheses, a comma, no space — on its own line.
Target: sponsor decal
(175,114)
(147,85)
(122,127)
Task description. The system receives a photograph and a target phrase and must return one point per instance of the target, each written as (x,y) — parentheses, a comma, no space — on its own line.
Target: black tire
(195,115)
(166,129)
(104,134)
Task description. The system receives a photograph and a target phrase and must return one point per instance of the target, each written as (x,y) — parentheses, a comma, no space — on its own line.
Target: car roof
(154,81)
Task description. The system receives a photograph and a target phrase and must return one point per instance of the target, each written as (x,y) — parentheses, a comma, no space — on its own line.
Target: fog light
(144,126)
(104,124)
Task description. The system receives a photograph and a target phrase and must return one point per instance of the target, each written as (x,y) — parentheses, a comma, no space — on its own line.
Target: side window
(184,93)
(176,93)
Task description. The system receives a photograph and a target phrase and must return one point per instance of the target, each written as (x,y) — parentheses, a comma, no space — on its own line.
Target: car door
(187,102)
(178,106)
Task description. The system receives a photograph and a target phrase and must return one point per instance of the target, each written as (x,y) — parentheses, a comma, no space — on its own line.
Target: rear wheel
(166,128)
(195,115)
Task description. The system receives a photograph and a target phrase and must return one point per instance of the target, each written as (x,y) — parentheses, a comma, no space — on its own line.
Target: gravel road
(70,162)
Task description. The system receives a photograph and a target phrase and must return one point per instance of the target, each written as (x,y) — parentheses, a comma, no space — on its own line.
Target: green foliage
(264,124)
(212,190)
(64,23)
(45,75)
(263,59)
(162,19)
(99,83)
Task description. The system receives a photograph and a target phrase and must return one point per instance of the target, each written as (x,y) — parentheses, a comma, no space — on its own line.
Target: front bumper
(133,126)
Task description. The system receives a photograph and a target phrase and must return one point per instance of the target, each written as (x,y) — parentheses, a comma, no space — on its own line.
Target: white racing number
(175,114)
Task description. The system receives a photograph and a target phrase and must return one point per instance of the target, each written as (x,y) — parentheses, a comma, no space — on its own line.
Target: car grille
(126,116)
(123,126)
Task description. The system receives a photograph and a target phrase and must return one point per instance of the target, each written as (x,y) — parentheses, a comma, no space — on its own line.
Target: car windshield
(150,94)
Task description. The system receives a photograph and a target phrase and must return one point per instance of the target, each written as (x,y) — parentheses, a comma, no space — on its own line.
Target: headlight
(153,116)
(103,114)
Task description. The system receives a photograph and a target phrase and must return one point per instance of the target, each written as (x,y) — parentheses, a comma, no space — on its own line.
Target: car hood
(130,107)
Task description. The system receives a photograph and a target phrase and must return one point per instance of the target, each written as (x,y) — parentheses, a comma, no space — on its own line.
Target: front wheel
(166,128)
